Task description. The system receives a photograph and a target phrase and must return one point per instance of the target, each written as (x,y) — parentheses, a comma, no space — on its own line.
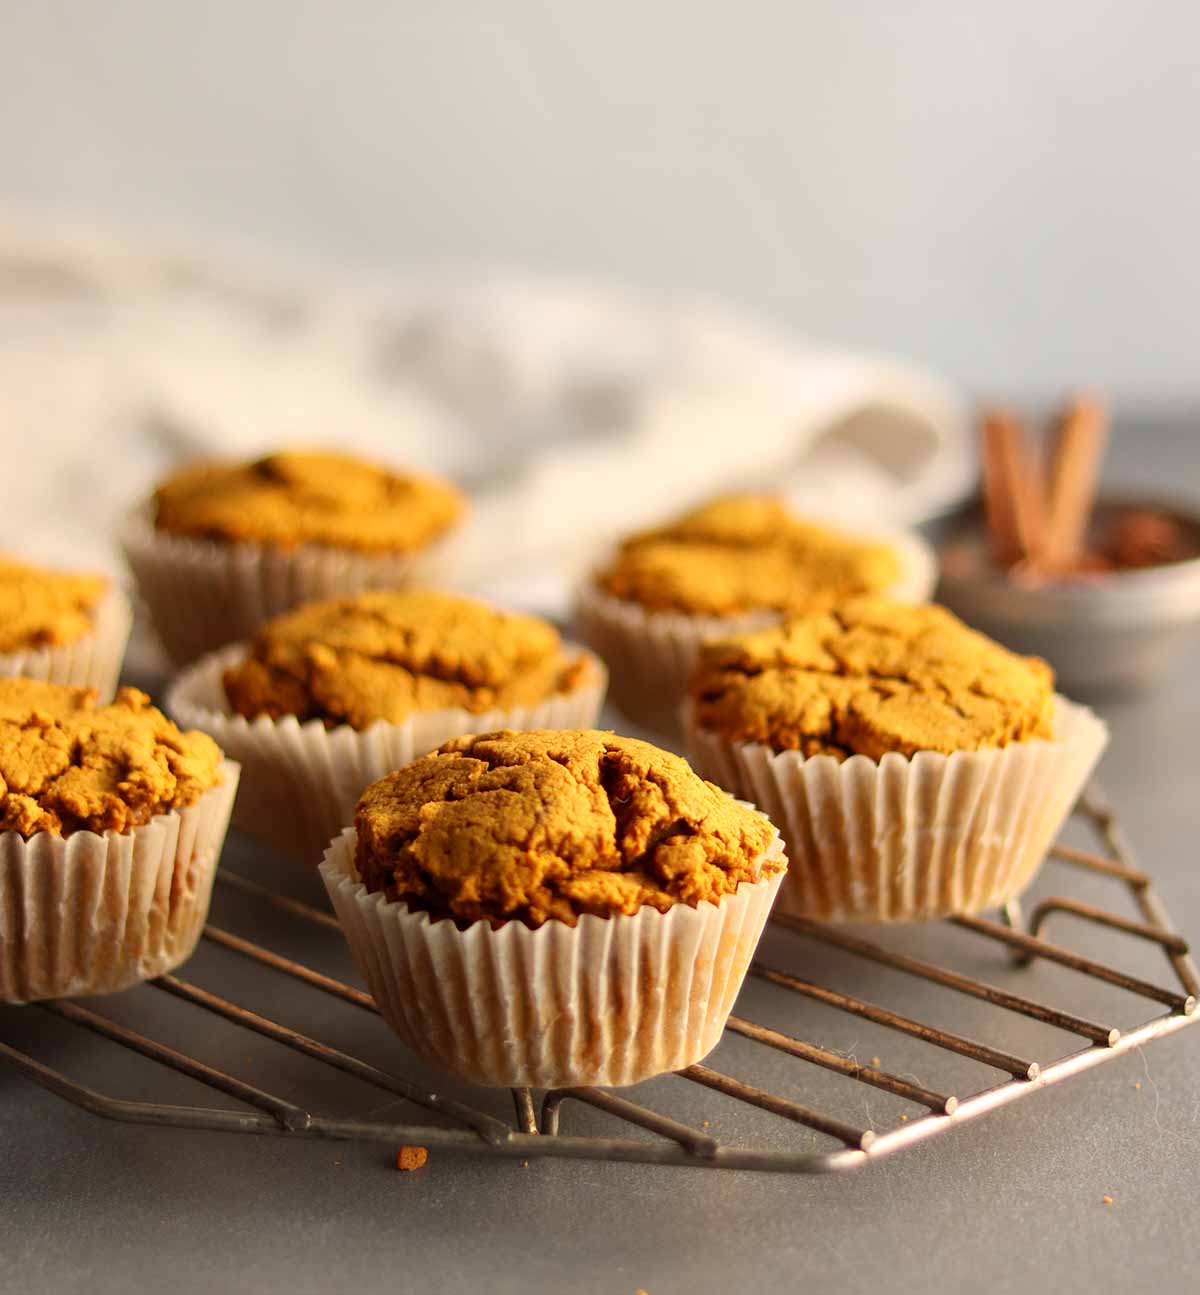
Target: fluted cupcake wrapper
(610,1001)
(92,661)
(301,782)
(94,913)
(651,654)
(900,839)
(202,594)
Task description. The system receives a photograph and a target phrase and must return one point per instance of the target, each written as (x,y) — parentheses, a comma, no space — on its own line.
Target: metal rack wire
(538,1132)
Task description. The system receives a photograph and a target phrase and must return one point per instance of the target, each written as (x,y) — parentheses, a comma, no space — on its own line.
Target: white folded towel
(573,411)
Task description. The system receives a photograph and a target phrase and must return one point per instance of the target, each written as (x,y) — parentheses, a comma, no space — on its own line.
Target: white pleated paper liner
(610,1001)
(651,654)
(900,839)
(301,782)
(202,594)
(94,913)
(91,661)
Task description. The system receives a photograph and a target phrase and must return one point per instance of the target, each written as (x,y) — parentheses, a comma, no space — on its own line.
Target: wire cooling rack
(536,1127)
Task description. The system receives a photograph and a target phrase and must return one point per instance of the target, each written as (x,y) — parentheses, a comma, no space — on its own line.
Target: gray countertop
(1011,1202)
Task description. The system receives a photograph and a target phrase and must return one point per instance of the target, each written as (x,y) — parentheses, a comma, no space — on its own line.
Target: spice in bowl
(1104,588)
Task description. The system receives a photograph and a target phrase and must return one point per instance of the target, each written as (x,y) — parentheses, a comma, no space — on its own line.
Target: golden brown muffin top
(551,825)
(387,654)
(40,607)
(307,497)
(68,765)
(744,553)
(870,677)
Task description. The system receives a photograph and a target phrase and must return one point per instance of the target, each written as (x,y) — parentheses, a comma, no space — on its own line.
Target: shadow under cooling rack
(942,1097)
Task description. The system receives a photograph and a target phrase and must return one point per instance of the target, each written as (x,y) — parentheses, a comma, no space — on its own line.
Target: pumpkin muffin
(68,765)
(869,678)
(746,553)
(42,608)
(915,767)
(224,546)
(541,826)
(383,655)
(538,877)
(61,626)
(736,563)
(331,696)
(111,822)
(296,497)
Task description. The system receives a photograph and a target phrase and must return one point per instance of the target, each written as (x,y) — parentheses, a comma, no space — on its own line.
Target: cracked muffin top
(552,825)
(40,607)
(871,677)
(386,654)
(68,765)
(297,497)
(745,553)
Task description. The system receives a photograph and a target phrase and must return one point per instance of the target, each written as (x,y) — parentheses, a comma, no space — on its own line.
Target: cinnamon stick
(1014,490)
(996,429)
(1077,449)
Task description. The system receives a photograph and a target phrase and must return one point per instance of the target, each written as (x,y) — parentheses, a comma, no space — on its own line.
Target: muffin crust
(45,608)
(68,765)
(386,654)
(298,497)
(743,553)
(871,677)
(553,825)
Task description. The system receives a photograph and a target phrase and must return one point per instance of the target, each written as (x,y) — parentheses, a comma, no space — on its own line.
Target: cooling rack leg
(1013,916)
(551,1106)
(526,1115)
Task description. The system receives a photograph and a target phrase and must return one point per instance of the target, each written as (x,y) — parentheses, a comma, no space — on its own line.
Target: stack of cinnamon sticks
(1038,505)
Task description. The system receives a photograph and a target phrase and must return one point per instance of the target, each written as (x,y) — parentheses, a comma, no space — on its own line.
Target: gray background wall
(1008,193)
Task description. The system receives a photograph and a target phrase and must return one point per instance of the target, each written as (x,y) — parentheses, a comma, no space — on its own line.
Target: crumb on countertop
(410,1158)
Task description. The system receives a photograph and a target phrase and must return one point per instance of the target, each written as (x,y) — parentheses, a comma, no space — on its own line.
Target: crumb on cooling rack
(410,1158)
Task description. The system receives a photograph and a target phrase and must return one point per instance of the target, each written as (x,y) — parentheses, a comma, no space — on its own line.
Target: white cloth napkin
(572,410)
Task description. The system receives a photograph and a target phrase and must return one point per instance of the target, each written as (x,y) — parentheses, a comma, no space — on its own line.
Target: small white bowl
(1108,630)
